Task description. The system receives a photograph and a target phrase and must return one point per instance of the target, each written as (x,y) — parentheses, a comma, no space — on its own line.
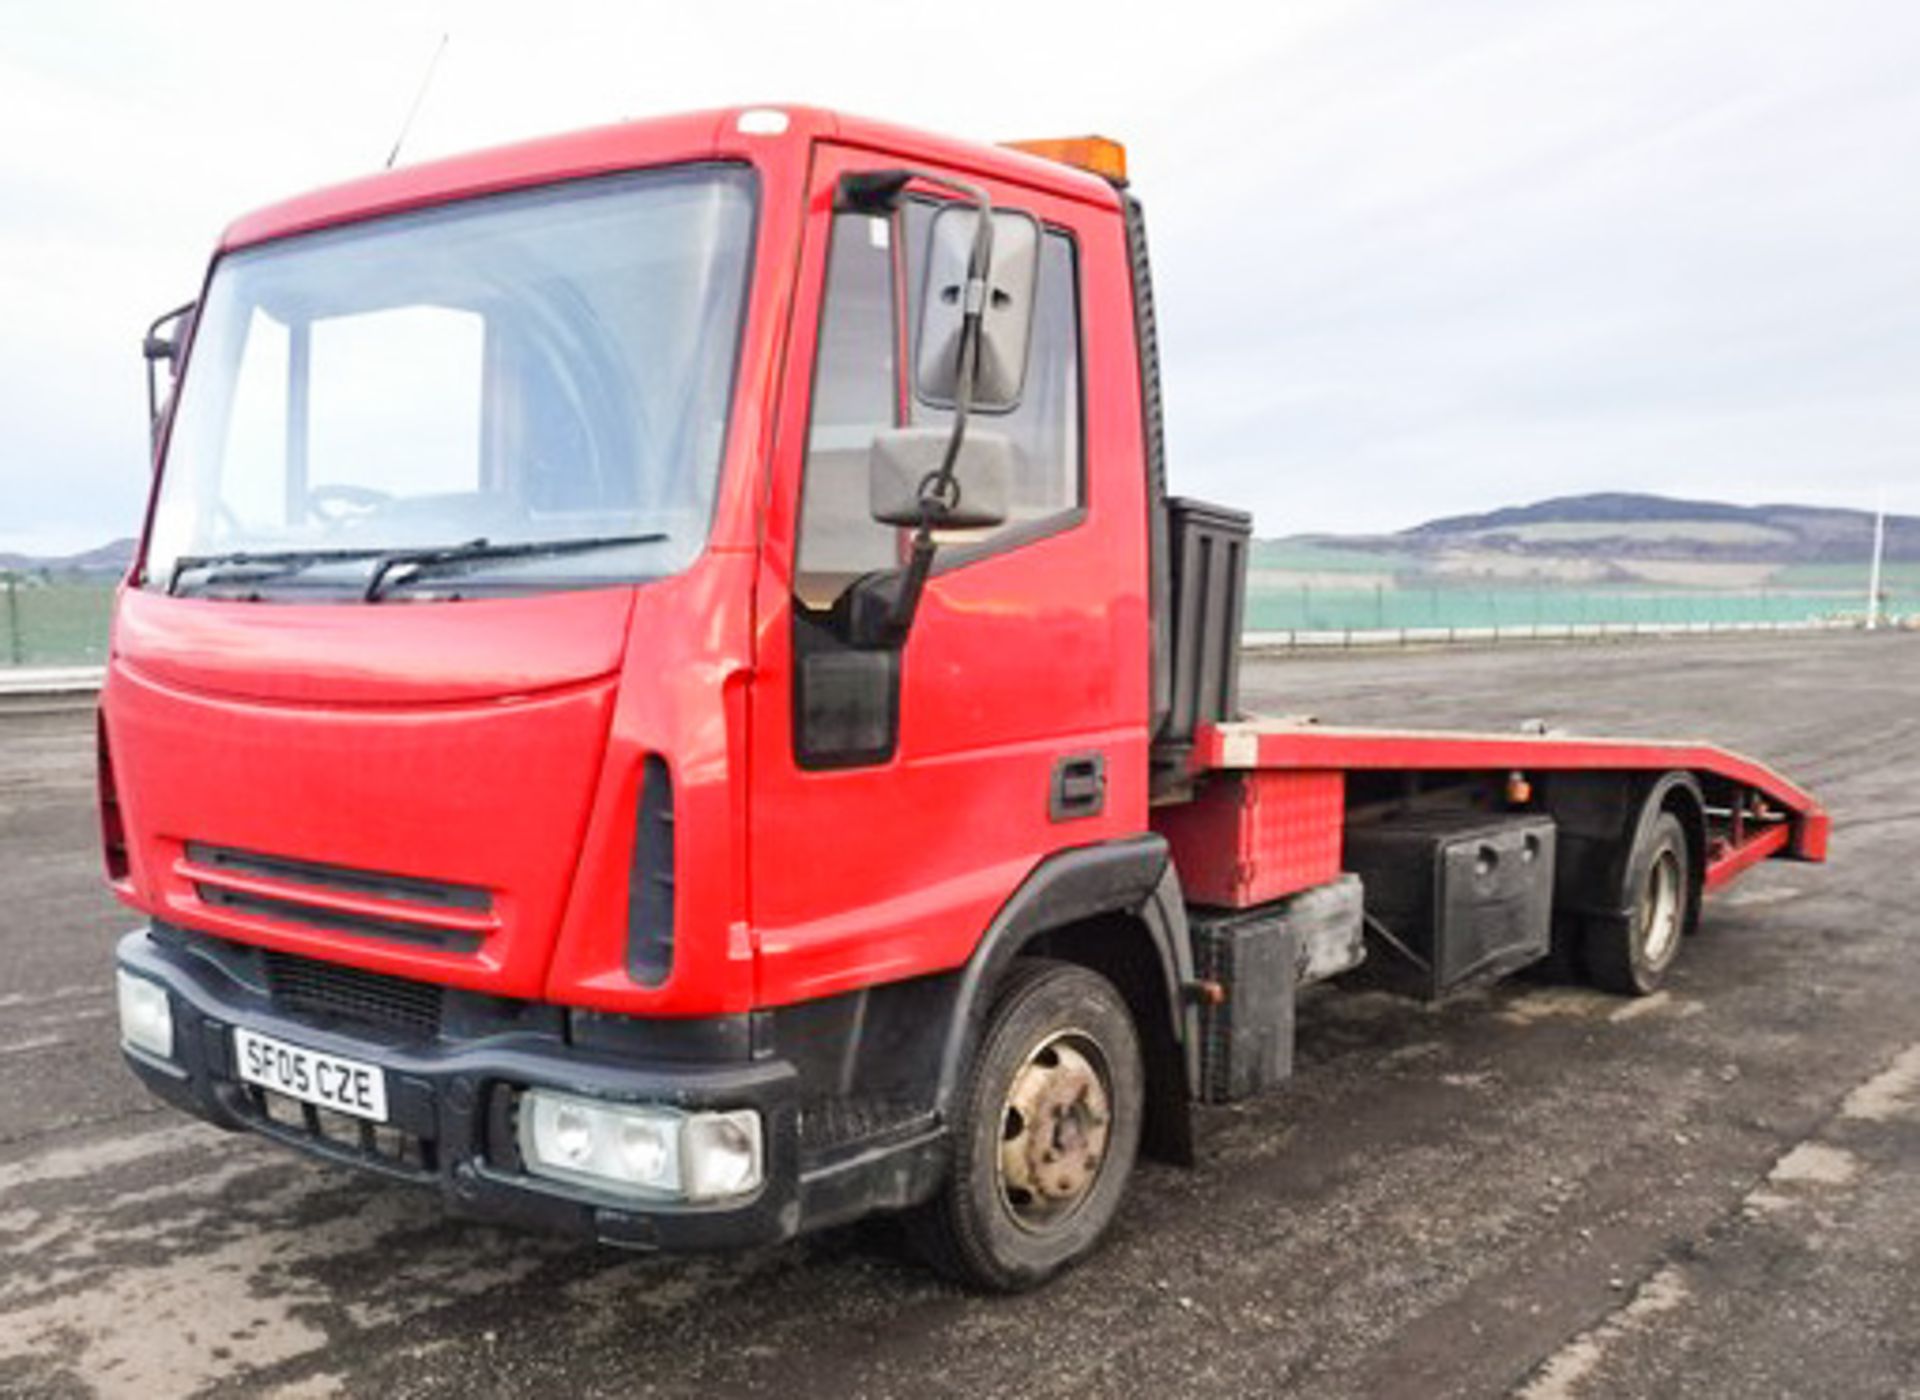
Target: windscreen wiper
(423,561)
(270,562)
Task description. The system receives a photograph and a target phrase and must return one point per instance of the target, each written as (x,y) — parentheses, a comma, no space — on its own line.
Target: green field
(1297,556)
(53,622)
(1902,577)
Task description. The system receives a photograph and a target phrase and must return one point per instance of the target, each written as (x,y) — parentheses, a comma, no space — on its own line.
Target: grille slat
(398,908)
(405,889)
(309,986)
(293,912)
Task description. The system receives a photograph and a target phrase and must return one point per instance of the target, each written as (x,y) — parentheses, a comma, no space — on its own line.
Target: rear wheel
(1630,953)
(1045,1132)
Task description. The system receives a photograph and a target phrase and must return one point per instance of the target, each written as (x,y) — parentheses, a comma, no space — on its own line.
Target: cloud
(1411,260)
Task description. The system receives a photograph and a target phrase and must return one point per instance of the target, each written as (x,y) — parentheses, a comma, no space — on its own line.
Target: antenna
(425,80)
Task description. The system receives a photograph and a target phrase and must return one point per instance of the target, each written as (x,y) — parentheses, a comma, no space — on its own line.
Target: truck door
(899,796)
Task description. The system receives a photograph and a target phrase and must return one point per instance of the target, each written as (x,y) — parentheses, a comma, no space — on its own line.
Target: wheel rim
(1054,1128)
(1660,911)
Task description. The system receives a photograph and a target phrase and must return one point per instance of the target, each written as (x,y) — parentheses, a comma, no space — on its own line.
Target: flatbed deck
(1768,815)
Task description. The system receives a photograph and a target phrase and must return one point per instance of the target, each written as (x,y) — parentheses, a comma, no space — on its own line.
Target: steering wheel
(337,502)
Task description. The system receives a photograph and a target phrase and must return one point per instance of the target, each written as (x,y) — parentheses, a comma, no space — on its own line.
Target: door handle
(1079,787)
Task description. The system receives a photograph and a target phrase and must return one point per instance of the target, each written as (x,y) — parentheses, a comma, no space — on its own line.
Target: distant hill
(1652,527)
(1649,524)
(1609,538)
(108,560)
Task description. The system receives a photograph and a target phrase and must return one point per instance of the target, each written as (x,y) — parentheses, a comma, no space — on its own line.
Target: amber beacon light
(1095,153)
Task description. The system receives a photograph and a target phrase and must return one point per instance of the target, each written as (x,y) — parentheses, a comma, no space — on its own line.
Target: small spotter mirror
(1006,322)
(162,345)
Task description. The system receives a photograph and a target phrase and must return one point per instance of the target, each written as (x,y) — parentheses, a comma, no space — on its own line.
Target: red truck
(663,695)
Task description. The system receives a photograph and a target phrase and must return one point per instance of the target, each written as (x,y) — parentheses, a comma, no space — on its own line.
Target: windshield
(517,370)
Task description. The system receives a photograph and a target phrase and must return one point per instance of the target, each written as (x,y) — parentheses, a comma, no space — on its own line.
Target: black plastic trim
(1128,876)
(1154,438)
(446,1094)
(650,874)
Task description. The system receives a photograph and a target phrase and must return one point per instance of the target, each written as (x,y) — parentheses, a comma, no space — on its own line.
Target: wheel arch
(1115,909)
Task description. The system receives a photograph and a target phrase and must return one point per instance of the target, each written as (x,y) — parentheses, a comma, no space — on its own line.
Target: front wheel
(1045,1133)
(1630,954)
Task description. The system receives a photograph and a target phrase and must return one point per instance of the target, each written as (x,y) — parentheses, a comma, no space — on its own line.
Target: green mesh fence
(53,622)
(1306,608)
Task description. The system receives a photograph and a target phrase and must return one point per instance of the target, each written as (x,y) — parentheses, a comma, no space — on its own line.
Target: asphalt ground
(1711,1192)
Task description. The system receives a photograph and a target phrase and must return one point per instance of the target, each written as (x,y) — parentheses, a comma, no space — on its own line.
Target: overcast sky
(1413,258)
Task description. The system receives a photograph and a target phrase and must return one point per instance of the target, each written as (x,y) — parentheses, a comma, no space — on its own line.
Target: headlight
(146,1014)
(722,1153)
(633,1150)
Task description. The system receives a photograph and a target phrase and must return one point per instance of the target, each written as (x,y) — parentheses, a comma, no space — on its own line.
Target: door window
(862,387)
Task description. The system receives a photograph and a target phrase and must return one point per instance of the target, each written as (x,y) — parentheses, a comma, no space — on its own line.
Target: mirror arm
(876,191)
(936,492)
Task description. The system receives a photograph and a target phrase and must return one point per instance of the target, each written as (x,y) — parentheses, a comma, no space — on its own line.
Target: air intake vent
(307,986)
(400,908)
(650,880)
(113,829)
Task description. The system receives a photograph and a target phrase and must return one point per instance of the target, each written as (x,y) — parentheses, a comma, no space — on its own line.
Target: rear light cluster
(113,829)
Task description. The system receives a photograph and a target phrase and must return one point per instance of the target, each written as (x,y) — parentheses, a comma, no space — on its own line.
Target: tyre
(1630,954)
(1046,1128)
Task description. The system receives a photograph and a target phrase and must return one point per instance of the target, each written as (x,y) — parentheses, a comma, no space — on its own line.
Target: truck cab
(662,694)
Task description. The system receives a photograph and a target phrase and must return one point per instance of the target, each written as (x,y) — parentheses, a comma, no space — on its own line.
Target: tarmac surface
(1536,1190)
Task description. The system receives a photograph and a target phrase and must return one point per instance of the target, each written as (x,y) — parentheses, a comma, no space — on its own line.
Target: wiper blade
(272,562)
(423,561)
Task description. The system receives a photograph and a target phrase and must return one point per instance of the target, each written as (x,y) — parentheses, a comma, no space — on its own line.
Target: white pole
(1873,574)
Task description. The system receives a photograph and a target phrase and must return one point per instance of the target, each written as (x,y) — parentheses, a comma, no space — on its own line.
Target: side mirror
(163,342)
(1006,322)
(977,492)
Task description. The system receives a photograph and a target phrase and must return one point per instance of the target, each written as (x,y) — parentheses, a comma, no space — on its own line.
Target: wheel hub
(1660,911)
(1054,1132)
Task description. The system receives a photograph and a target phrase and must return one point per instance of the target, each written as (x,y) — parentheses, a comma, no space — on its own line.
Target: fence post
(16,648)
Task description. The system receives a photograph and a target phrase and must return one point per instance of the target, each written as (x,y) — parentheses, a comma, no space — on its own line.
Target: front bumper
(451,1100)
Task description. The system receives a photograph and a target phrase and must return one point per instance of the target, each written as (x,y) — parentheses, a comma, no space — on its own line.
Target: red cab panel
(1020,660)
(403,788)
(399,653)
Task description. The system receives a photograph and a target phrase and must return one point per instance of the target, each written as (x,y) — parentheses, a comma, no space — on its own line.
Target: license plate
(346,1086)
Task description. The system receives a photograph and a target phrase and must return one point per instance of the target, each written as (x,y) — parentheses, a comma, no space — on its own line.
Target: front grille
(339,921)
(378,1145)
(369,903)
(311,987)
(404,889)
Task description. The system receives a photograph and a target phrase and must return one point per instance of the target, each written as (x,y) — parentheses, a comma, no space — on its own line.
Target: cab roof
(761,134)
